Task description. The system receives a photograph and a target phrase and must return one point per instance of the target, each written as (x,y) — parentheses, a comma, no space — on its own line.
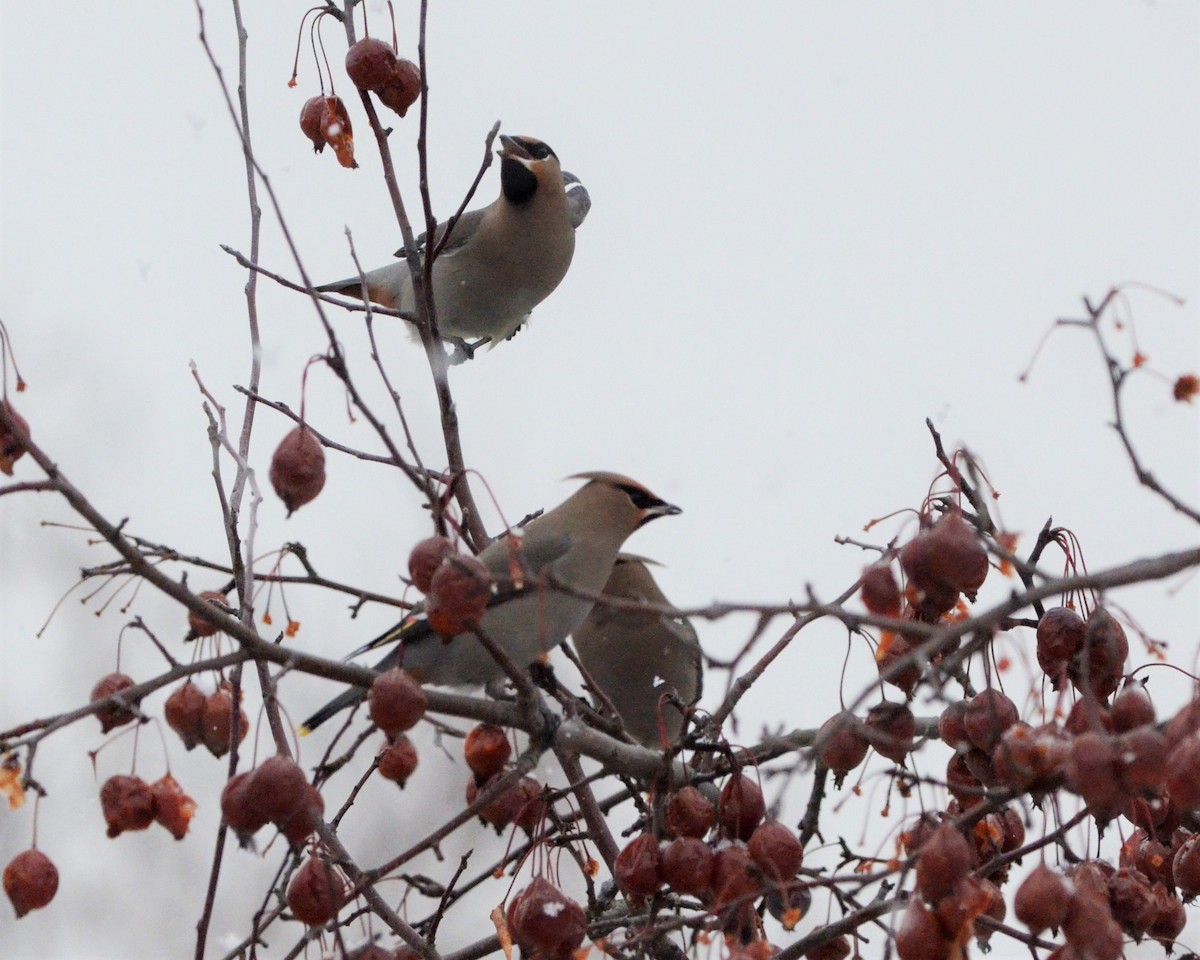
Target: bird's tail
(347,698)
(405,630)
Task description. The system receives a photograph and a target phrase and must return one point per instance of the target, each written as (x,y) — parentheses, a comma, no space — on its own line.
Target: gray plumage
(646,664)
(500,261)
(576,543)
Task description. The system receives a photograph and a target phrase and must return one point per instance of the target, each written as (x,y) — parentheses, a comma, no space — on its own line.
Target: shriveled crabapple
(398,760)
(112,714)
(298,468)
(458,595)
(316,892)
(127,803)
(30,881)
(741,807)
(425,558)
(396,702)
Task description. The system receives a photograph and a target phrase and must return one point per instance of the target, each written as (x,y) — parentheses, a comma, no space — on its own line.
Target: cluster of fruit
(373,66)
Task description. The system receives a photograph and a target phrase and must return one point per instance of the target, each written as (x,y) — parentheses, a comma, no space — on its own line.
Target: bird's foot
(464,351)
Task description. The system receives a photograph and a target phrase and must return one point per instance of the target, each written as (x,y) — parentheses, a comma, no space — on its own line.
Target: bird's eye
(538,150)
(642,499)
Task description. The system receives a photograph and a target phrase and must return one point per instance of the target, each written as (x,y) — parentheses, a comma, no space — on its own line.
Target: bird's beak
(660,510)
(509,148)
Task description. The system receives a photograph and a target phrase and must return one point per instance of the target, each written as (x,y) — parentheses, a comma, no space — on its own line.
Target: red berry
(891,728)
(1131,900)
(988,714)
(1028,758)
(127,803)
(776,849)
(173,809)
(403,90)
(1098,665)
(636,867)
(1090,928)
(458,595)
(312,122)
(240,812)
(1042,900)
(1059,637)
(277,789)
(11,449)
(1148,856)
(951,726)
(842,746)
(894,647)
(1141,760)
(880,592)
(962,782)
(1186,866)
(941,562)
(836,949)
(741,807)
(919,936)
(520,804)
(486,750)
(317,892)
(1091,772)
(942,860)
(398,760)
(324,120)
(298,468)
(218,722)
(303,823)
(689,813)
(30,880)
(396,702)
(1170,917)
(425,559)
(198,624)
(112,715)
(184,713)
(1131,708)
(686,866)
(544,922)
(370,63)
(735,886)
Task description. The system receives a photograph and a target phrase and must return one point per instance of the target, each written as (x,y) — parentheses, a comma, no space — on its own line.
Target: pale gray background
(814,226)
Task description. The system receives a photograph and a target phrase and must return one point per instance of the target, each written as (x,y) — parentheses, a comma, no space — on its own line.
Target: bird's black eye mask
(537,149)
(642,499)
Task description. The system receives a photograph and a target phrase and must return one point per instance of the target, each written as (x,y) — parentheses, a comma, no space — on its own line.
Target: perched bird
(648,665)
(576,544)
(502,260)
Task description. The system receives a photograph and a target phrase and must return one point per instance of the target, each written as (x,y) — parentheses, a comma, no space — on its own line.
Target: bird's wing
(464,229)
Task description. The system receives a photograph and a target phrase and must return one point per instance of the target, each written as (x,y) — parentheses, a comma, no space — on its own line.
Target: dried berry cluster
(277,792)
(373,67)
(396,703)
(129,803)
(213,720)
(726,855)
(457,586)
(487,753)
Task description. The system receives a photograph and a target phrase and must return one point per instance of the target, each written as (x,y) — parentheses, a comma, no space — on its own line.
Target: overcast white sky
(813,226)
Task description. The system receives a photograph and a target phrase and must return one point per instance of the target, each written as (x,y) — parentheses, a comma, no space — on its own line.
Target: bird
(648,665)
(501,260)
(576,544)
